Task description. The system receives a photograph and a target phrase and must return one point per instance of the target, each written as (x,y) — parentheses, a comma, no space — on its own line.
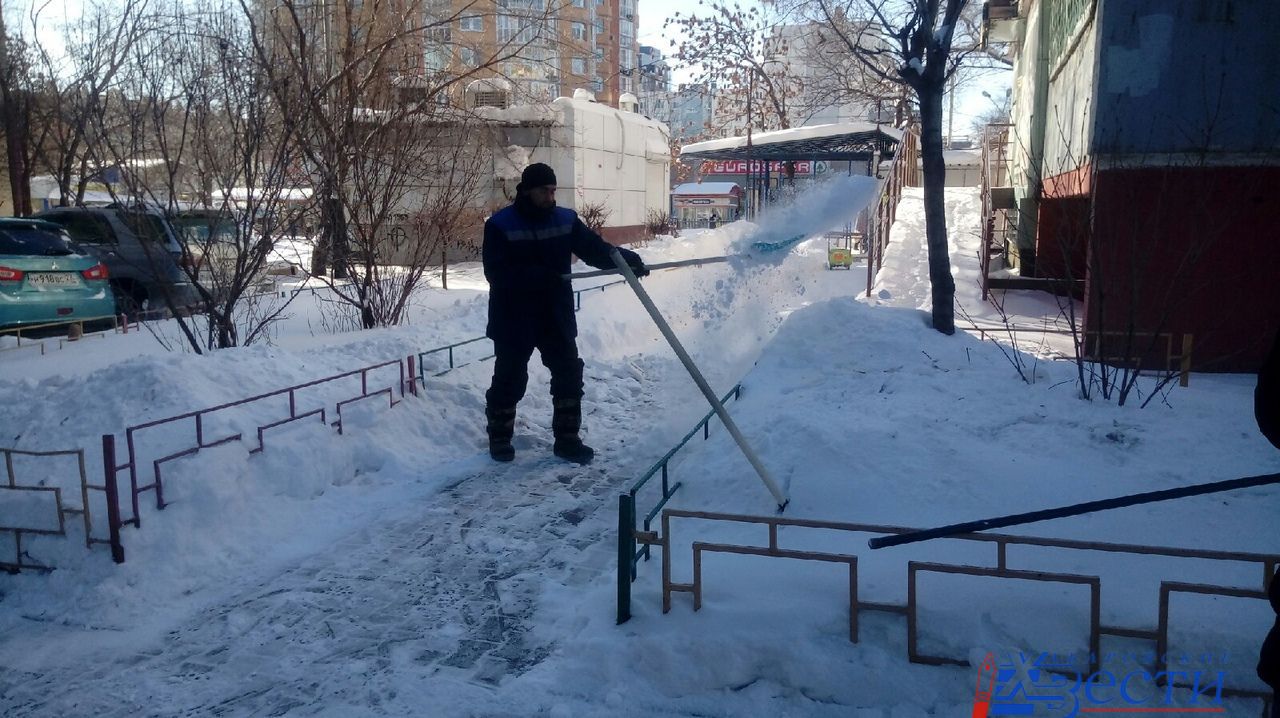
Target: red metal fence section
(196,422)
(1266,563)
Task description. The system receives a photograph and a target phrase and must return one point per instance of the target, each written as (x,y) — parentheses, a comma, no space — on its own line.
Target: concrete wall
(602,155)
(1069,107)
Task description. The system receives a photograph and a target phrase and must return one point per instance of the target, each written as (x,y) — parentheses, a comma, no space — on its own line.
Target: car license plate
(53,279)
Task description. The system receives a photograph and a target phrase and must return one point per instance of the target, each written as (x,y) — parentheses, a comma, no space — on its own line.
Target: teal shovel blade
(763,246)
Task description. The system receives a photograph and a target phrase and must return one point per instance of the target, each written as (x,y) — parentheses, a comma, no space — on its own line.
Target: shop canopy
(845,141)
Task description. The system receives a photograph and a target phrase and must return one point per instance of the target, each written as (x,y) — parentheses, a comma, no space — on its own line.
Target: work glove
(637,266)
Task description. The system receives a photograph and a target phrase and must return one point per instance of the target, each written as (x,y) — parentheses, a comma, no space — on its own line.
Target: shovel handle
(660,265)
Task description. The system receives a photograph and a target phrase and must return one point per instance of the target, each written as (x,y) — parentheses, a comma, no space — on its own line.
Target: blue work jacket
(526,255)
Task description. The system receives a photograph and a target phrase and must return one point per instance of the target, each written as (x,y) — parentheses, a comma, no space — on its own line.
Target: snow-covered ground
(395,570)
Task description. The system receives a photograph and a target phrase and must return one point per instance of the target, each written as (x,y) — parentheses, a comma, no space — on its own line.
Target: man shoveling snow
(527,248)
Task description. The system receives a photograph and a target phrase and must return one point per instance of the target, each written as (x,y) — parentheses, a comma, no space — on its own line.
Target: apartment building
(543,49)
(813,72)
(654,80)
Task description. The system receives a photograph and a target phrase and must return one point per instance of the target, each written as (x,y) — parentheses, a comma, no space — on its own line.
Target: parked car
(209,238)
(214,240)
(45,277)
(140,249)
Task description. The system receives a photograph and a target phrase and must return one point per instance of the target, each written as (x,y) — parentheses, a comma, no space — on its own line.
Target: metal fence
(629,537)
(1265,564)
(282,407)
(279,407)
(903,172)
(55,504)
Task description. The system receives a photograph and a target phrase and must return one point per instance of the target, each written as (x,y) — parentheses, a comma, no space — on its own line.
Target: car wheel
(131,299)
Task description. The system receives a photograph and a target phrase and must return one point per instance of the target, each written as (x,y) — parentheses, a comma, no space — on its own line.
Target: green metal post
(626,554)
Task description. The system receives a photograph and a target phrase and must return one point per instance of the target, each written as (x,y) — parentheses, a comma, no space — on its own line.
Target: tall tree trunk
(19,175)
(935,212)
(338,240)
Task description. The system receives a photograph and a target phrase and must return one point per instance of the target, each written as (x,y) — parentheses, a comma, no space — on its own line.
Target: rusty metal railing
(1160,635)
(903,171)
(61,509)
(202,441)
(628,555)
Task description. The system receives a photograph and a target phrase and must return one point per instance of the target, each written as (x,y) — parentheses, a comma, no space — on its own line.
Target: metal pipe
(660,265)
(1073,510)
(626,554)
(111,490)
(698,379)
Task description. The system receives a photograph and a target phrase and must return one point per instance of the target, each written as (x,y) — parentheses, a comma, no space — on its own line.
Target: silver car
(141,252)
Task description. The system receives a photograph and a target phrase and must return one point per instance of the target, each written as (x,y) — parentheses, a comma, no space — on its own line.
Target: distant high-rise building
(692,109)
(654,84)
(801,54)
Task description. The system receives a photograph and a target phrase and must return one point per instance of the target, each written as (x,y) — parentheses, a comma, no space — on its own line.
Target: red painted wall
(1062,237)
(1189,250)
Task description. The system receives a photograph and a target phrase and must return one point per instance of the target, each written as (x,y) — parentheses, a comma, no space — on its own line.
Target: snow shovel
(660,265)
(761,246)
(625,270)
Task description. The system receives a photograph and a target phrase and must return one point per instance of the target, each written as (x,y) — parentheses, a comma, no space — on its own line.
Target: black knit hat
(536,175)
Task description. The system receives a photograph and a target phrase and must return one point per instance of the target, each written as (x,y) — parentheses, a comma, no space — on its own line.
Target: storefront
(694,203)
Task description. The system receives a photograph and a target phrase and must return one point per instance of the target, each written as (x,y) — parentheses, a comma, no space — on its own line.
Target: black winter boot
(566,422)
(501,426)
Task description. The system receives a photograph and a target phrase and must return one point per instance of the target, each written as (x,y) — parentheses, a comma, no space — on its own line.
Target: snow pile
(814,209)
(865,414)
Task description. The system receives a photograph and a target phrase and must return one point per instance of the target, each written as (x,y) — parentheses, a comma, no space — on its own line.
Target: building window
(579,65)
(469,57)
(436,58)
(515,29)
(472,23)
(579,3)
(627,29)
(579,30)
(599,26)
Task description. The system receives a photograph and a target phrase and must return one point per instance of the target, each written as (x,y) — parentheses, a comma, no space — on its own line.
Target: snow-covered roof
(835,136)
(962,158)
(288,194)
(705,188)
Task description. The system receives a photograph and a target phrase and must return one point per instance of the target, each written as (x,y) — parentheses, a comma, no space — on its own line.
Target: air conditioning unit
(489,92)
(1000,22)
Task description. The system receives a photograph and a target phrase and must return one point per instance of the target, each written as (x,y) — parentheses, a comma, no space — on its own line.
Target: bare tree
(199,132)
(75,83)
(412,193)
(914,37)
(17,100)
(731,49)
(369,145)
